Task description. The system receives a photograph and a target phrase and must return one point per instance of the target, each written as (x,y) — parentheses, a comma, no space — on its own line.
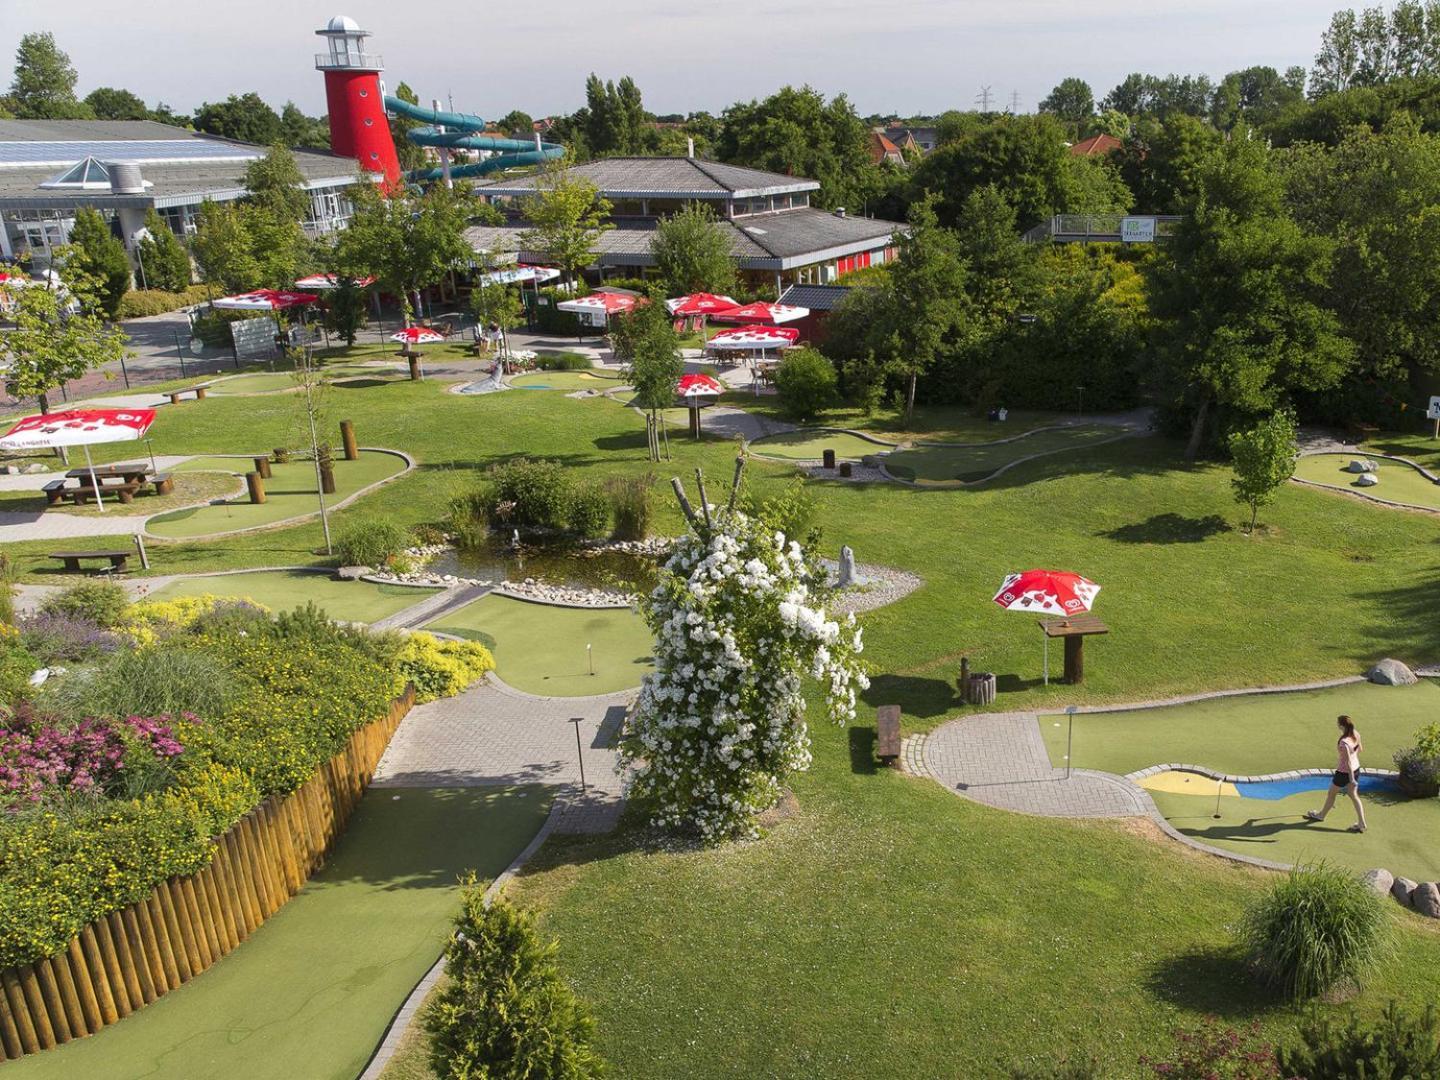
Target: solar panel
(31,154)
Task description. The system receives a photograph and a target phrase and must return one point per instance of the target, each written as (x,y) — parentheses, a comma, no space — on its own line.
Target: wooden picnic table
(1074,630)
(125,474)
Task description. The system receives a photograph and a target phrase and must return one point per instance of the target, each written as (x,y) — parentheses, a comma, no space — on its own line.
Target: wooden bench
(1360,431)
(54,492)
(164,483)
(198,390)
(887,734)
(119,559)
(124,492)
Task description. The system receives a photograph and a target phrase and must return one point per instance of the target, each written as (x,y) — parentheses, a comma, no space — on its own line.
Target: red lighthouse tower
(358,125)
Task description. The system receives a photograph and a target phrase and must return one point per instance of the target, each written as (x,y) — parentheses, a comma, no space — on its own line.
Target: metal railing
(1097,227)
(362,61)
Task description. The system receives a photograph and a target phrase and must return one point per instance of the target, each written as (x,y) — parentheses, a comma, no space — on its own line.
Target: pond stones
(1390,672)
(1380,879)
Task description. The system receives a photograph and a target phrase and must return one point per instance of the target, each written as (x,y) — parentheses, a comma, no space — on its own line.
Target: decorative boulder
(1360,465)
(1402,889)
(1369,479)
(1426,899)
(1390,672)
(1380,880)
(352,573)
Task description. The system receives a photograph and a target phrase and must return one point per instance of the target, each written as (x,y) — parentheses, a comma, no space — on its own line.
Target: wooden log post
(1075,660)
(347,440)
(327,477)
(262,465)
(413,359)
(846,470)
(282,455)
(255,484)
(827,458)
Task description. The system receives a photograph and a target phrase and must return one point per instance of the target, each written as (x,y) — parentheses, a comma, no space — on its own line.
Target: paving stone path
(999,759)
(492,734)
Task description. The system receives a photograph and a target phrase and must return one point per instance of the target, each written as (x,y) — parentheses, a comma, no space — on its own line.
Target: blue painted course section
(1280,789)
(462,133)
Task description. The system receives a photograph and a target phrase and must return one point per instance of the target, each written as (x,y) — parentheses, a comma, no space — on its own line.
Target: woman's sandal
(1357,828)
(1311,815)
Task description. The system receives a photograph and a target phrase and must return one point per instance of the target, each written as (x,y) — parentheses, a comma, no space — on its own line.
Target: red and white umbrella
(79,427)
(329,281)
(599,303)
(755,337)
(1047,592)
(520,274)
(694,387)
(417,335)
(265,300)
(762,313)
(700,303)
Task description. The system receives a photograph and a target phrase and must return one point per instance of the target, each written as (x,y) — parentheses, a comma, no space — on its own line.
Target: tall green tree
(409,154)
(345,314)
(799,133)
(163,261)
(100,254)
(275,184)
(497,304)
(692,252)
(655,365)
(407,242)
(928,298)
(52,342)
(243,117)
(566,216)
(1263,459)
(43,87)
(1001,265)
(224,249)
(1072,102)
(109,103)
(614,118)
(1161,160)
(1236,295)
(297,129)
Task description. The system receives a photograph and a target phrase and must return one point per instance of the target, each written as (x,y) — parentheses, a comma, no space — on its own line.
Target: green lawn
(1398,481)
(1249,735)
(265,382)
(811,446)
(540,648)
(312,991)
(284,590)
(938,464)
(1400,836)
(290,492)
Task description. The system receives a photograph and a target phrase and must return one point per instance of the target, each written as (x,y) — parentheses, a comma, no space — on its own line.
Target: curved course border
(1354,493)
(401,454)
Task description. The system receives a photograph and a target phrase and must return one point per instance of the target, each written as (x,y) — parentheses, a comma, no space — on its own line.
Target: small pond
(556,564)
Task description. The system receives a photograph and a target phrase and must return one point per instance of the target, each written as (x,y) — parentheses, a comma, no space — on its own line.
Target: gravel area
(884,585)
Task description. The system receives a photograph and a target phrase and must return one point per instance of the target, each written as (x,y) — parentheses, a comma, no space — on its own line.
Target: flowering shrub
(441,668)
(41,761)
(720,724)
(16,667)
(102,602)
(149,620)
(56,637)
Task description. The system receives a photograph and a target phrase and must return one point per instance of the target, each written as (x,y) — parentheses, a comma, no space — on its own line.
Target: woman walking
(1347,774)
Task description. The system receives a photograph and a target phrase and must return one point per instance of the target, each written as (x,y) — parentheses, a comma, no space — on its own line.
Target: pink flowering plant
(42,762)
(719,727)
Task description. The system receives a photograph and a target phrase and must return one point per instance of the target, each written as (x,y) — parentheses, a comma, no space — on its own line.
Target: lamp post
(1070,711)
(579,753)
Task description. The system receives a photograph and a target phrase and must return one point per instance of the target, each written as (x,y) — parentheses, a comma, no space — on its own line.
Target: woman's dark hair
(1346,723)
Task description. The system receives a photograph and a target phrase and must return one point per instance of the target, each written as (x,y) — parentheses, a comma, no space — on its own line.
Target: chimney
(125,178)
(839,211)
(690,148)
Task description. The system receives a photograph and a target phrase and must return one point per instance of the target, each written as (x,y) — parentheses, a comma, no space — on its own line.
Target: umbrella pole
(1046,648)
(94,480)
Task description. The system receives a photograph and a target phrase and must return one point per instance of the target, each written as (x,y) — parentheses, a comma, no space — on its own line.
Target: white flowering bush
(720,724)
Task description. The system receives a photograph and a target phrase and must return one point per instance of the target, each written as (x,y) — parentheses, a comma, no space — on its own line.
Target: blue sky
(905,56)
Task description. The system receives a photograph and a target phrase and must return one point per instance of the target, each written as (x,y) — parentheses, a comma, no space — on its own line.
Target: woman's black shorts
(1342,779)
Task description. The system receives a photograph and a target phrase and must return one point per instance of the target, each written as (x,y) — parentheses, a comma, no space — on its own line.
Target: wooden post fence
(126,959)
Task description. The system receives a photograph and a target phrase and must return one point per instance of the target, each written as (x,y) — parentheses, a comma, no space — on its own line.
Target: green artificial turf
(284,590)
(568,381)
(890,929)
(540,648)
(811,445)
(311,992)
(1398,482)
(933,464)
(290,492)
(1252,734)
(1400,837)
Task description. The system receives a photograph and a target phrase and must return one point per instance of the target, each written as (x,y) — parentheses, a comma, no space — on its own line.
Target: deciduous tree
(43,87)
(100,255)
(1263,459)
(692,252)
(566,216)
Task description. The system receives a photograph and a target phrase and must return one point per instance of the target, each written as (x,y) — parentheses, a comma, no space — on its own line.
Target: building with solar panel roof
(51,168)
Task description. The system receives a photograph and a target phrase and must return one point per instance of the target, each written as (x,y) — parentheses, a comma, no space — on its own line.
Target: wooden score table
(1074,631)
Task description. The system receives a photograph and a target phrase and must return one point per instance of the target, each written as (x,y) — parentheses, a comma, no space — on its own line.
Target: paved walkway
(491,734)
(999,759)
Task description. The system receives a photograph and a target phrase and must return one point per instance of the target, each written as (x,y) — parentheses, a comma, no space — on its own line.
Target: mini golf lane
(1398,482)
(311,992)
(285,590)
(540,648)
(928,464)
(290,493)
(1266,820)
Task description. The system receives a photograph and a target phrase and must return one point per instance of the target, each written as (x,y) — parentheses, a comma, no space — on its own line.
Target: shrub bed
(103,795)
(139,303)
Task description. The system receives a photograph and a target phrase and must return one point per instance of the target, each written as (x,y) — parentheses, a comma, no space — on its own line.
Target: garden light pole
(1070,711)
(579,753)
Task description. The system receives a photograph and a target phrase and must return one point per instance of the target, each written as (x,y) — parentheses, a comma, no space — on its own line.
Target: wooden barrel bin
(980,688)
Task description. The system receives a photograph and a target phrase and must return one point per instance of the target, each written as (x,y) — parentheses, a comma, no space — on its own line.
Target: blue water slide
(461,134)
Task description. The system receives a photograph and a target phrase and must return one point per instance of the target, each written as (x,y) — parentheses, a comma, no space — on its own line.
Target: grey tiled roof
(67,130)
(815,297)
(664,177)
(764,242)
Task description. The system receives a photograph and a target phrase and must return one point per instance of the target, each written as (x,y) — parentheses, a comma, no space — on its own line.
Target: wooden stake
(704,502)
(735,483)
(685,506)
